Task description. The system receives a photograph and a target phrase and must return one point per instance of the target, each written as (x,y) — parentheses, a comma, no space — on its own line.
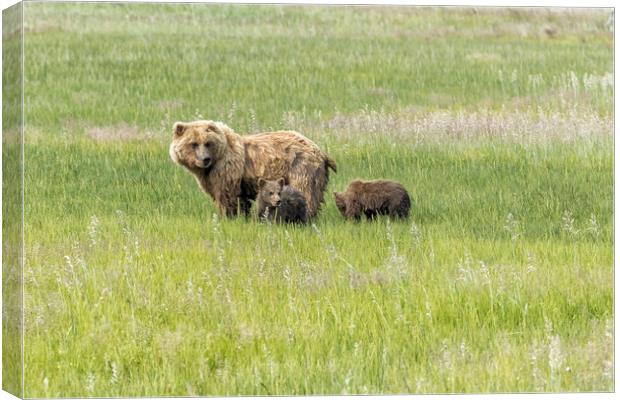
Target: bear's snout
(206,161)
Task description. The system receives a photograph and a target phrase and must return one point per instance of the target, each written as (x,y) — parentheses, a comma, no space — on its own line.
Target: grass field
(499,122)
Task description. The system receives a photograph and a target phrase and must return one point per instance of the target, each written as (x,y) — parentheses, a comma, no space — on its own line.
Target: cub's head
(341,203)
(269,191)
(198,144)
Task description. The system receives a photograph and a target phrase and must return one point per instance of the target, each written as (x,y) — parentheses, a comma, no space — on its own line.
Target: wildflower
(415,234)
(446,357)
(594,228)
(114,377)
(536,373)
(347,382)
(190,289)
(463,348)
(486,275)
(331,250)
(356,348)
(429,311)
(92,230)
(531,263)
(568,224)
(548,328)
(535,81)
(512,226)
(608,369)
(556,358)
(253,125)
(90,382)
(231,112)
(396,261)
(217,234)
(420,384)
(289,239)
(513,77)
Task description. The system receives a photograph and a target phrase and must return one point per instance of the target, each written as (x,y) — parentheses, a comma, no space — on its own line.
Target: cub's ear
(261,183)
(179,128)
(280,182)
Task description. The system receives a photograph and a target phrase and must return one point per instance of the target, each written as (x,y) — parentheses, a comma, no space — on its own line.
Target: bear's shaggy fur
(281,203)
(373,198)
(227,166)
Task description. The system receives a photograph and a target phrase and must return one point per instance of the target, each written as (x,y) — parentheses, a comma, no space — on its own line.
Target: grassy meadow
(498,122)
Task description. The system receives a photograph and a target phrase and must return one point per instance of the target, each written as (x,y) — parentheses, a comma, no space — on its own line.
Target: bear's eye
(194,145)
(270,193)
(209,144)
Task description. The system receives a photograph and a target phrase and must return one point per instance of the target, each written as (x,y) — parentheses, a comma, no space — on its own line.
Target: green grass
(12,256)
(138,64)
(500,281)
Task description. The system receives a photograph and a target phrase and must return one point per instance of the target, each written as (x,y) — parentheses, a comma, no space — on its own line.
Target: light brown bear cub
(227,166)
(373,198)
(280,203)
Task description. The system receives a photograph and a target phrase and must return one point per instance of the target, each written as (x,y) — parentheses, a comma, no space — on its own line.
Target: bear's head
(341,203)
(198,144)
(269,191)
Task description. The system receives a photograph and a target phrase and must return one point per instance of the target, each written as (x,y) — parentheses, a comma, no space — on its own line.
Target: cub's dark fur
(281,203)
(373,198)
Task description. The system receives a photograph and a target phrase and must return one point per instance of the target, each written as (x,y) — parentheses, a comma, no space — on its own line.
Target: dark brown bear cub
(281,203)
(373,198)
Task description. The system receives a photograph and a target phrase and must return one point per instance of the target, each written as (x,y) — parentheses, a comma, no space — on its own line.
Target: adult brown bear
(227,166)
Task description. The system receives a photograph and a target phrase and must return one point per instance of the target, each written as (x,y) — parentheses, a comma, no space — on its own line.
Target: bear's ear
(216,127)
(280,182)
(261,183)
(179,128)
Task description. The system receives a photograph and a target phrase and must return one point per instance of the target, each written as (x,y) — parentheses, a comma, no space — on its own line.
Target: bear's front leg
(245,205)
(230,210)
(239,205)
(228,206)
(370,213)
(247,195)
